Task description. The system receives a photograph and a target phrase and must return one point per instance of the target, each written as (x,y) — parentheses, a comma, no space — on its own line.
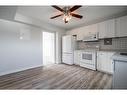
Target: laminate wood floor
(57,76)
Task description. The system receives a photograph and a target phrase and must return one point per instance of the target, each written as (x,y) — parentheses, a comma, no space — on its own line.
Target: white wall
(59,46)
(16,54)
(46,27)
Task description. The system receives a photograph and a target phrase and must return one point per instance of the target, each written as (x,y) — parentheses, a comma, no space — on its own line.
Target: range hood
(91,37)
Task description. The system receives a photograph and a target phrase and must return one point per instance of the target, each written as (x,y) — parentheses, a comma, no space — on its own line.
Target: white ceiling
(90,14)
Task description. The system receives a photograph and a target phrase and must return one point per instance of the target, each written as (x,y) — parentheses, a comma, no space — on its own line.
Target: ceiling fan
(67,13)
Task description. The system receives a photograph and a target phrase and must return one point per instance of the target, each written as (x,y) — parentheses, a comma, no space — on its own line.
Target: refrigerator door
(67,58)
(67,44)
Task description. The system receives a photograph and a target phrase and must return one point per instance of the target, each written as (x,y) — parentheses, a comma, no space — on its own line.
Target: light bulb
(67,18)
(21,38)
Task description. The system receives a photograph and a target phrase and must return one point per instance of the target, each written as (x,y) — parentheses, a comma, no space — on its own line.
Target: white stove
(88,59)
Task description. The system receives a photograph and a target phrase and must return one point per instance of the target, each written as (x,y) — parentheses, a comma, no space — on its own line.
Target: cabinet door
(80,36)
(102,29)
(81,33)
(93,29)
(110,28)
(121,26)
(87,31)
(104,61)
(109,62)
(101,61)
(107,29)
(77,57)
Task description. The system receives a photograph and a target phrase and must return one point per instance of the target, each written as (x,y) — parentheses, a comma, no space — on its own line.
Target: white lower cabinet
(77,55)
(104,61)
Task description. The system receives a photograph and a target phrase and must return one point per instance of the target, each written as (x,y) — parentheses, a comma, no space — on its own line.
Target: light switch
(24,34)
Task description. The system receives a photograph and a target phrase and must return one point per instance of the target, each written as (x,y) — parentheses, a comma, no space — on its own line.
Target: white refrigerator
(68,47)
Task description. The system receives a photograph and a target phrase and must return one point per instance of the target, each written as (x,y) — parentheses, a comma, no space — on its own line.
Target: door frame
(54,45)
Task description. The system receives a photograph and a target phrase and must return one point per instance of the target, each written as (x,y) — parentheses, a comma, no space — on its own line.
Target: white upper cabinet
(87,31)
(121,26)
(107,29)
(81,33)
(92,29)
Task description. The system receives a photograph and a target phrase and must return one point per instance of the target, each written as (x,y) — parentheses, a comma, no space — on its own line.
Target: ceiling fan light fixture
(67,17)
(67,13)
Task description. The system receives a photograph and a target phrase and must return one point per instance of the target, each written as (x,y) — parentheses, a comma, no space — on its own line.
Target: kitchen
(63,47)
(101,46)
(82,48)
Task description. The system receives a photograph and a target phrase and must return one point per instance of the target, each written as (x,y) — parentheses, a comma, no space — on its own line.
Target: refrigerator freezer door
(67,58)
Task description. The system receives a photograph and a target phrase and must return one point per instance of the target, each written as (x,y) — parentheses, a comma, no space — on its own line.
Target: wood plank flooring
(57,76)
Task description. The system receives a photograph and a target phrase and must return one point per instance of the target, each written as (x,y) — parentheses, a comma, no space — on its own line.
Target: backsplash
(117,44)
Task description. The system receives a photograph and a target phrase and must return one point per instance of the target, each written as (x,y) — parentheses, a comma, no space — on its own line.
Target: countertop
(115,50)
(86,50)
(119,57)
(102,50)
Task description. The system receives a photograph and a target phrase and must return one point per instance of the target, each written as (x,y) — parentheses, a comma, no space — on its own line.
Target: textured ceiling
(90,14)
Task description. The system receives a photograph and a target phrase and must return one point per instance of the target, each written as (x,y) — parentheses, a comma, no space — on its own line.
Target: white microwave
(91,37)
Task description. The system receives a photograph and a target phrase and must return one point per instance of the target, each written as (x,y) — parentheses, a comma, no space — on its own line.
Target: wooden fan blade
(56,16)
(74,8)
(76,15)
(58,8)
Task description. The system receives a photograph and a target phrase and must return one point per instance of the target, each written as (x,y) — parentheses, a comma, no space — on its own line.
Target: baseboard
(19,70)
(105,72)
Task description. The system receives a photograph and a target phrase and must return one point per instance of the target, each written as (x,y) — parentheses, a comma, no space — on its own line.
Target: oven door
(87,57)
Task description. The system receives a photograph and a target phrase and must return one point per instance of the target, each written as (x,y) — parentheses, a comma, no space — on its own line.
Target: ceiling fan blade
(56,16)
(58,8)
(76,15)
(74,8)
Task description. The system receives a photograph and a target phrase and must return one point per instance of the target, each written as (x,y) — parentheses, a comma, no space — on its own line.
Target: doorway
(48,48)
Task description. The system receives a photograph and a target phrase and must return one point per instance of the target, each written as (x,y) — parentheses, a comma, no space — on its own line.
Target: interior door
(48,48)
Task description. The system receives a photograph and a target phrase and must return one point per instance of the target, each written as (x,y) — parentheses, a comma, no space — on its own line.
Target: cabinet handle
(113,65)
